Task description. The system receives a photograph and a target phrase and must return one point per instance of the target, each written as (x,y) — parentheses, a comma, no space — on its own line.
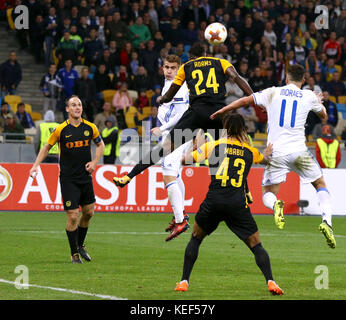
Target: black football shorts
(75,194)
(239,220)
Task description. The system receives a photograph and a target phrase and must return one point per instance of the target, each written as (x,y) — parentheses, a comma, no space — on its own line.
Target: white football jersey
(287,109)
(170,113)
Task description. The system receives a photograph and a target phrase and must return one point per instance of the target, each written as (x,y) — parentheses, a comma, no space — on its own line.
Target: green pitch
(131,259)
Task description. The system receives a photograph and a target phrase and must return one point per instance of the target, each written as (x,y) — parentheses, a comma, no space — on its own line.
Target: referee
(230,160)
(76,166)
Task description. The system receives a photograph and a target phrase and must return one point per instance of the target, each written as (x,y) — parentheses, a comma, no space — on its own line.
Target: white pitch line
(160,233)
(102,296)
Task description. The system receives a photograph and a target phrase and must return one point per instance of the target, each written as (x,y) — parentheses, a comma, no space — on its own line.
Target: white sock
(325,204)
(176,199)
(269,200)
(181,187)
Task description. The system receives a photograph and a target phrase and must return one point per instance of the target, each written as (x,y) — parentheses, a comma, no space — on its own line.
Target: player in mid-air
(205,78)
(287,109)
(230,160)
(169,114)
(74,138)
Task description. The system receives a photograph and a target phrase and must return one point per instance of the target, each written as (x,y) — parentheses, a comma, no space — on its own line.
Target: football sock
(262,261)
(72,239)
(147,161)
(324,200)
(82,232)
(176,200)
(269,199)
(191,254)
(182,188)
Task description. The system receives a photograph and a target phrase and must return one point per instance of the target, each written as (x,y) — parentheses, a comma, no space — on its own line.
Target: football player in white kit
(287,109)
(169,114)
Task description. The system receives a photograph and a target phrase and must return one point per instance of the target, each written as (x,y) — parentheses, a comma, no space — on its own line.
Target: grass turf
(132,260)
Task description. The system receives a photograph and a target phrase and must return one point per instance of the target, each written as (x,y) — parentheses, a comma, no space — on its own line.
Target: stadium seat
(149,94)
(55,58)
(342,99)
(9,18)
(108,95)
(144,113)
(341,123)
(29,134)
(36,116)
(28,108)
(130,113)
(260,136)
(133,94)
(13,100)
(332,99)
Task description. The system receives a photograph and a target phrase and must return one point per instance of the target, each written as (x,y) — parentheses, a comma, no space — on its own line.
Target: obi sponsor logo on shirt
(77,144)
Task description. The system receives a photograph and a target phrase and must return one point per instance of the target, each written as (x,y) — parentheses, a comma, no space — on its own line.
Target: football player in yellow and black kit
(205,78)
(74,137)
(230,160)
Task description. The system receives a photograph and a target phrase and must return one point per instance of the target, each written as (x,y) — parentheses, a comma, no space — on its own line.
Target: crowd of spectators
(129,39)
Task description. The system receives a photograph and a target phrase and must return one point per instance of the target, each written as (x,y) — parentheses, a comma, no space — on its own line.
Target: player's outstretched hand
(158,100)
(218,113)
(320,97)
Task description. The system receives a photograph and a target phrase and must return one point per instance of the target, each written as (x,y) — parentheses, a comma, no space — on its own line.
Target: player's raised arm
(168,96)
(233,106)
(233,75)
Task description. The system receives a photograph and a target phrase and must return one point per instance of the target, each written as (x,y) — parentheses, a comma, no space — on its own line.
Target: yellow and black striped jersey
(229,162)
(74,147)
(205,78)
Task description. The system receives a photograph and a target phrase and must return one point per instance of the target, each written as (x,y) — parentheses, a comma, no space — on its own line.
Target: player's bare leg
(72,234)
(325,204)
(270,200)
(191,255)
(87,214)
(263,262)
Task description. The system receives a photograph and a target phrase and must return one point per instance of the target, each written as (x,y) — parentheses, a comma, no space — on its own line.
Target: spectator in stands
(110,136)
(134,64)
(330,69)
(299,51)
(121,100)
(332,48)
(142,100)
(311,85)
(224,53)
(117,30)
(93,48)
(327,148)
(37,36)
(139,32)
(324,126)
(122,76)
(67,76)
(190,34)
(142,81)
(270,78)
(194,13)
(49,86)
(157,93)
(44,130)
(5,110)
(149,58)
(180,52)
(85,89)
(312,64)
(10,75)
(173,32)
(12,127)
(340,24)
(233,92)
(67,49)
(92,19)
(108,60)
(101,117)
(269,34)
(249,115)
(125,54)
(308,42)
(83,28)
(24,117)
(102,79)
(336,87)
(331,109)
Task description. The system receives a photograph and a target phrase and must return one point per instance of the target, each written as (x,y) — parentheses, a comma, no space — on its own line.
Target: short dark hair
(296,72)
(197,50)
(20,104)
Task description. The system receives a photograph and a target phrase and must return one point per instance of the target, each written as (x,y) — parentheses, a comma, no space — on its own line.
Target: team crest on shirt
(86,133)
(68,203)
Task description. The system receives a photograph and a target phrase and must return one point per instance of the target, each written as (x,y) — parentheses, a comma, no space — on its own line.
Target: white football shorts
(302,163)
(171,164)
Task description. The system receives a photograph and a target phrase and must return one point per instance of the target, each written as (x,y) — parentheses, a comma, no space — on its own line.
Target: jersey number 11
(282,113)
